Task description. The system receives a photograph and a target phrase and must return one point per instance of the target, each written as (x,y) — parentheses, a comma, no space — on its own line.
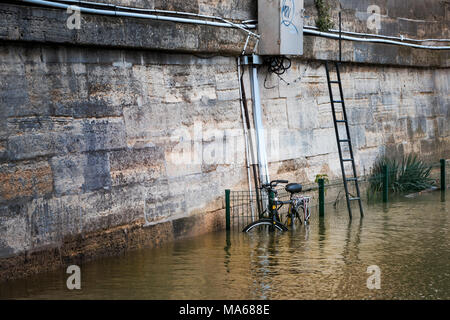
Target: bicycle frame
(273,220)
(273,210)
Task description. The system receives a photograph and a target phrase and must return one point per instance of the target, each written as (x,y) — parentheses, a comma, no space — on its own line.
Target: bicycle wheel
(265,222)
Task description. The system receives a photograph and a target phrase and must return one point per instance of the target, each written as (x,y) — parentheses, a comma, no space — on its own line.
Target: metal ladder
(340,141)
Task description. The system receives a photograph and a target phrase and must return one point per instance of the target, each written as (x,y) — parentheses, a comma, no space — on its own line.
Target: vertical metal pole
(340,37)
(321,197)
(385,183)
(257,115)
(244,125)
(443,182)
(227,209)
(253,161)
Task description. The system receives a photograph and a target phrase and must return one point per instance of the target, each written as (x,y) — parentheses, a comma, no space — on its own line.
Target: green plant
(322,176)
(323,21)
(408,174)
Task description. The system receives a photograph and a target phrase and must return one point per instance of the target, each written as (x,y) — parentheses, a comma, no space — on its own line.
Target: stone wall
(86,143)
(391,110)
(101,134)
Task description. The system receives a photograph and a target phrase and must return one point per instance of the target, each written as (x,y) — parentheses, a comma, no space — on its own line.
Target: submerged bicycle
(296,204)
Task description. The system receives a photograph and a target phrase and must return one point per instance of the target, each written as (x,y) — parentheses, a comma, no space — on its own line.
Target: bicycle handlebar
(280,181)
(273,183)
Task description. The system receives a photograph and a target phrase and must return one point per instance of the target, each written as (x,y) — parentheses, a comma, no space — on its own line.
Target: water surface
(409,241)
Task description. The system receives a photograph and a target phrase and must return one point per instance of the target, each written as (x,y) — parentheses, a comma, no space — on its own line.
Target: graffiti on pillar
(288,14)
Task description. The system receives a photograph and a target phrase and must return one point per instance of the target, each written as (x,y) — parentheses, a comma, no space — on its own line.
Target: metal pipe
(244,124)
(254,163)
(241,26)
(334,36)
(227,210)
(115,7)
(321,182)
(340,37)
(259,128)
(443,182)
(227,24)
(401,38)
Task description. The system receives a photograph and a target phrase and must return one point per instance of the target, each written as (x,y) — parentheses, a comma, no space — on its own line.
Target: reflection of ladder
(344,121)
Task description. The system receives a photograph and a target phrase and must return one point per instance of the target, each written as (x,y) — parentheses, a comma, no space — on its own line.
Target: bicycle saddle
(293,188)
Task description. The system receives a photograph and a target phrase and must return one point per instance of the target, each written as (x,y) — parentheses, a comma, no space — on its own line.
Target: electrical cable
(277,65)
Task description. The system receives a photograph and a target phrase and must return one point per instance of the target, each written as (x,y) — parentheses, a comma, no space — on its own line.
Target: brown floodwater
(408,240)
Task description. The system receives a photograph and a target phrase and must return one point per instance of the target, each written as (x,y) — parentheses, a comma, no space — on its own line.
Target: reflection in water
(328,259)
(227,251)
(322,228)
(306,231)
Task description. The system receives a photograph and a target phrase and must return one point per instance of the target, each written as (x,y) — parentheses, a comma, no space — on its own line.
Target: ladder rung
(352,179)
(338,101)
(344,140)
(341,121)
(353,199)
(334,81)
(347,159)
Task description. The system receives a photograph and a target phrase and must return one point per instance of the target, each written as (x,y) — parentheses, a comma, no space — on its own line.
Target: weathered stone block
(87,109)
(14,234)
(25,180)
(226,95)
(35,145)
(226,81)
(68,173)
(72,136)
(3,154)
(136,165)
(302,113)
(275,113)
(103,134)
(81,173)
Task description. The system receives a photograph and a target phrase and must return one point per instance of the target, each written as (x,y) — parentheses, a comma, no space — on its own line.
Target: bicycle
(274,205)
(298,206)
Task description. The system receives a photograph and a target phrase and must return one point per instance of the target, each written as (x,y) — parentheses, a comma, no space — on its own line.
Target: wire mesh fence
(245,206)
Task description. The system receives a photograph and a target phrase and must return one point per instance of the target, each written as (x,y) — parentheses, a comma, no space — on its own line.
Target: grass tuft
(410,174)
